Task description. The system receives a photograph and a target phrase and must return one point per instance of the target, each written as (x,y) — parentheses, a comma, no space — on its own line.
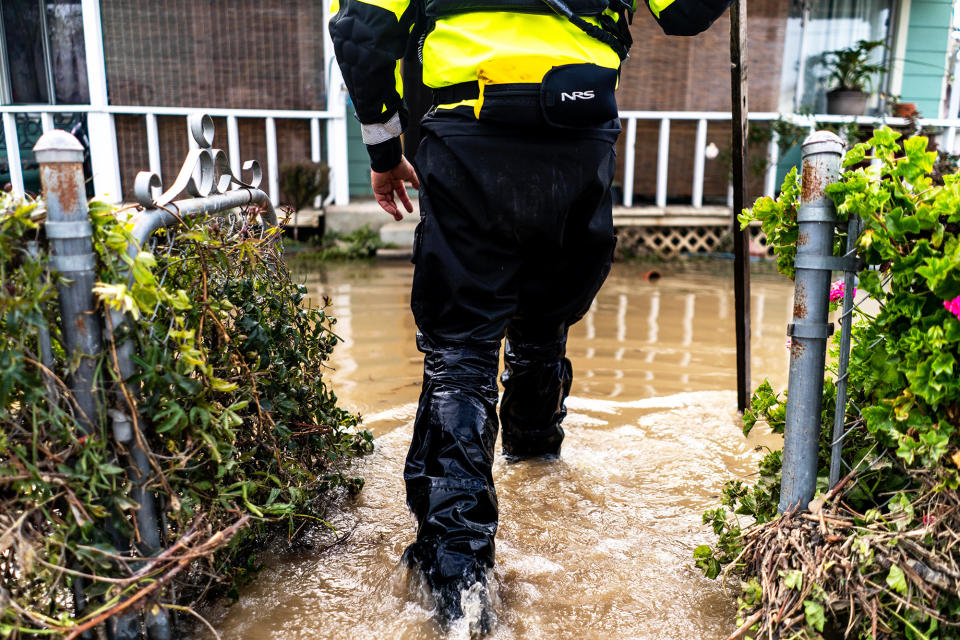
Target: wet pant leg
(536,381)
(556,289)
(448,469)
(515,230)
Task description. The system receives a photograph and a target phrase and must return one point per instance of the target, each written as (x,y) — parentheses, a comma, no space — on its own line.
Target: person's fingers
(386,202)
(412,177)
(404,196)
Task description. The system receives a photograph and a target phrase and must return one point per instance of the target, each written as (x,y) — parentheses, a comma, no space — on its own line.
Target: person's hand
(390,182)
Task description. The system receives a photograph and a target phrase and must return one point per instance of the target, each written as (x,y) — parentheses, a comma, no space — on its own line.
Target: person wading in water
(515,236)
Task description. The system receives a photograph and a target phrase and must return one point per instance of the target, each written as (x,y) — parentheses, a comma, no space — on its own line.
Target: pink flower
(953,306)
(927,520)
(836,291)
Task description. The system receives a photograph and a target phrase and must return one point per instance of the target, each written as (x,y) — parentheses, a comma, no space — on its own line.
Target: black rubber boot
(448,471)
(536,381)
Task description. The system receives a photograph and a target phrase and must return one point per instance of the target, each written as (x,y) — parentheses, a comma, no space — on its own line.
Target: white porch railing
(104,174)
(335,139)
(703,118)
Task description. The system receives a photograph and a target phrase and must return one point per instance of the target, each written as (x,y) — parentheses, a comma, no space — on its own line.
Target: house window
(815,28)
(43,58)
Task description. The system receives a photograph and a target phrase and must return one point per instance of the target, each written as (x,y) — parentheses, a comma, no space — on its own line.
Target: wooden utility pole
(741,239)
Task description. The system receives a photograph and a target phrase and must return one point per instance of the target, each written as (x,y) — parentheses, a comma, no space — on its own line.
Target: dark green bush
(246,441)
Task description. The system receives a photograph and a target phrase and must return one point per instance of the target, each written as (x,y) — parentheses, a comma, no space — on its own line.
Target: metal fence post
(68,231)
(60,156)
(809,331)
(843,364)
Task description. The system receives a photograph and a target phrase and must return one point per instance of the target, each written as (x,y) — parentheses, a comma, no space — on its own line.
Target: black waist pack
(579,95)
(571,96)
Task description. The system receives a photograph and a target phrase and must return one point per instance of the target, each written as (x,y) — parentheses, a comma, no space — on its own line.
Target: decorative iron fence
(206,186)
(20,122)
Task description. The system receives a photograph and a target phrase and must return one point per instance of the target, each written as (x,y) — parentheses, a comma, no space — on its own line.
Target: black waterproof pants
(515,239)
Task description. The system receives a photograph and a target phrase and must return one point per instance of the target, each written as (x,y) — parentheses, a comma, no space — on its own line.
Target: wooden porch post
(738,78)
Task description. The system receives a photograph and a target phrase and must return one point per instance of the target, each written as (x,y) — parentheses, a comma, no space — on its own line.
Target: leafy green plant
(361,244)
(778,221)
(245,440)
(869,556)
(850,67)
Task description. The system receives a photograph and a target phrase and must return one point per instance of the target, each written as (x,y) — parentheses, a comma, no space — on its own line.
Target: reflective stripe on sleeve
(659,5)
(381,131)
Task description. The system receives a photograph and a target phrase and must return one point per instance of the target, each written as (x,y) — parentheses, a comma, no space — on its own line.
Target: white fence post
(629,161)
(337,146)
(773,158)
(100,126)
(233,144)
(663,161)
(153,149)
(699,155)
(13,152)
(273,171)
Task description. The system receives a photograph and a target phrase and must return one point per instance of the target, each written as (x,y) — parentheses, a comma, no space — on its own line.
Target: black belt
(454,93)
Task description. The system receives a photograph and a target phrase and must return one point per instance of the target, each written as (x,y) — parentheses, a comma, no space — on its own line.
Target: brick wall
(245,54)
(693,74)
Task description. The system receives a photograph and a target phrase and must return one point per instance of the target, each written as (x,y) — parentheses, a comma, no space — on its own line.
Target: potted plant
(851,73)
(301,184)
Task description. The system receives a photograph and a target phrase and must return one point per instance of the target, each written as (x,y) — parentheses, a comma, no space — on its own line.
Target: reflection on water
(595,545)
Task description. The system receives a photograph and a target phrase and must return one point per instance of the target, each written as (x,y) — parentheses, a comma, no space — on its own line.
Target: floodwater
(595,545)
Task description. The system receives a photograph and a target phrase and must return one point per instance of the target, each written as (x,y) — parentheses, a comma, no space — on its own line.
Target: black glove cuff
(385,155)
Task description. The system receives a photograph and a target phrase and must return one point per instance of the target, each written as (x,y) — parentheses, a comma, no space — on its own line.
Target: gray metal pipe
(843,373)
(68,231)
(809,331)
(60,157)
(43,334)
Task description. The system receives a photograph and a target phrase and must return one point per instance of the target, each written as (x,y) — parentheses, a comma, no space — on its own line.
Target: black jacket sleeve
(686,17)
(369,38)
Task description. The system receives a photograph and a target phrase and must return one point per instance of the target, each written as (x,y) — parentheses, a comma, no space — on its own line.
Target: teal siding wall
(358,159)
(925,58)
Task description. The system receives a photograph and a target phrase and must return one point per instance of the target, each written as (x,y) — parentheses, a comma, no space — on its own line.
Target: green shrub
(302,182)
(877,555)
(361,244)
(246,441)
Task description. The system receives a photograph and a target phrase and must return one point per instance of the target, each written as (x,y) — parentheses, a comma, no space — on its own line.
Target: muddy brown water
(595,545)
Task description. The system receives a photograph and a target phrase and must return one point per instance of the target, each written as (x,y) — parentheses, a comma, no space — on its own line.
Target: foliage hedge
(245,440)
(879,556)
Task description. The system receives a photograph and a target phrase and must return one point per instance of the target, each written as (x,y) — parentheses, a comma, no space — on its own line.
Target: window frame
(6,88)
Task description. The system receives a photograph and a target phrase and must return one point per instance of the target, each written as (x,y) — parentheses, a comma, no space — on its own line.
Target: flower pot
(847,102)
(904,110)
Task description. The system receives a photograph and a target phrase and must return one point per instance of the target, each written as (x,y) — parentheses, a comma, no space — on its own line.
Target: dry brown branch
(211,544)
(745,627)
(845,561)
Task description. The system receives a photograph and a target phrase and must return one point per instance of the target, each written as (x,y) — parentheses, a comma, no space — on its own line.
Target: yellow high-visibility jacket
(513,40)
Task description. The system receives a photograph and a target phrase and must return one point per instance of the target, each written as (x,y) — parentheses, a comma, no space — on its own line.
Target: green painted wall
(358,159)
(925,59)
